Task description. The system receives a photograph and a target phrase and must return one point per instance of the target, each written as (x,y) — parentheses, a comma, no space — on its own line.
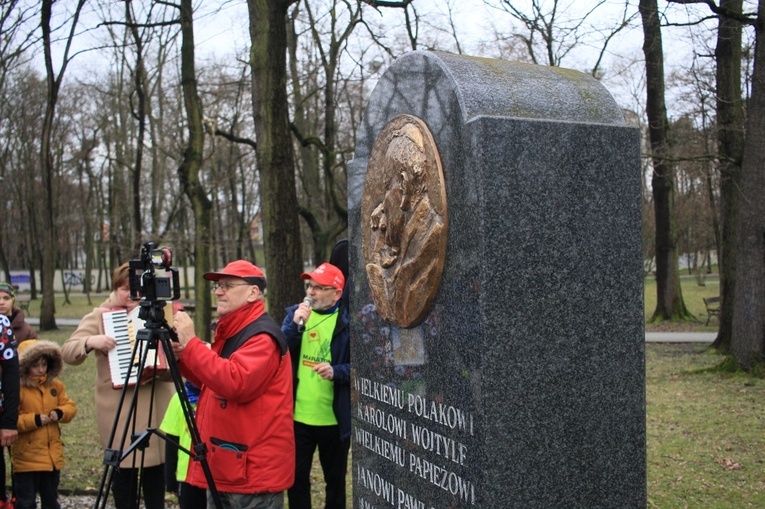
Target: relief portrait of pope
(404,221)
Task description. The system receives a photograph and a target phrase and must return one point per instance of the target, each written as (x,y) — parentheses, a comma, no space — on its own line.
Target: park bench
(713,308)
(22,300)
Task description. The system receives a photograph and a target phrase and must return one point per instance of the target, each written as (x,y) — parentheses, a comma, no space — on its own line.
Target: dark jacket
(21,329)
(9,377)
(340,350)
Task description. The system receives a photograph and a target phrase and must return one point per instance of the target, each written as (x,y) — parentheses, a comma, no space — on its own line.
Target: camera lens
(162,258)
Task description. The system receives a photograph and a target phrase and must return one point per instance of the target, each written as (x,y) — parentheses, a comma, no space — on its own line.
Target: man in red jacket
(244,413)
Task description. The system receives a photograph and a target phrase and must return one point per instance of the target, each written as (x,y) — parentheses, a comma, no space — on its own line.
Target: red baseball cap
(326,274)
(241,269)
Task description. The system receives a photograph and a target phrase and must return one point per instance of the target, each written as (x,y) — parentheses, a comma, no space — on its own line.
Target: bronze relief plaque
(403,221)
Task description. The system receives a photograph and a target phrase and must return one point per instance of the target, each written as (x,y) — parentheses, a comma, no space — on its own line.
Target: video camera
(144,281)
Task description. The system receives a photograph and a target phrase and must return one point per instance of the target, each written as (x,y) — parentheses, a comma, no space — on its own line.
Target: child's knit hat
(8,288)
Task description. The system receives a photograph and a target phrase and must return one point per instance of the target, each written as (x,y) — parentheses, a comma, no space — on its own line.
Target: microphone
(301,322)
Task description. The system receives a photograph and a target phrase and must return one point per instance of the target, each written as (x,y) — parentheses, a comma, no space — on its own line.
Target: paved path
(680,337)
(74,322)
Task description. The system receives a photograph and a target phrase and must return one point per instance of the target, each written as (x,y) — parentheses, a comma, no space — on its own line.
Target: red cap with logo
(242,269)
(326,274)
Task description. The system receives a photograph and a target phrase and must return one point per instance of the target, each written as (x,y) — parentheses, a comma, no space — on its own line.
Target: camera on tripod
(153,282)
(145,283)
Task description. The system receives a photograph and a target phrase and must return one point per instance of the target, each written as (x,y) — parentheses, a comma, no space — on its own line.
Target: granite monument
(504,368)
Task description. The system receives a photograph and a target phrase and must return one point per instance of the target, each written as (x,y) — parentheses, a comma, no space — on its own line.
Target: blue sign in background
(21,279)
(17,279)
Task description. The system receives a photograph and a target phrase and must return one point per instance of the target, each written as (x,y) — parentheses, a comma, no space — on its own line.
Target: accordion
(123,327)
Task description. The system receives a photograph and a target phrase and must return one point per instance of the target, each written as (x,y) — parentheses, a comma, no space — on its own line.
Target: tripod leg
(196,440)
(112,456)
(158,333)
(127,484)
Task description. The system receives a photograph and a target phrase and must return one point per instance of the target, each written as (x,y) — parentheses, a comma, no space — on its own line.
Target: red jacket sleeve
(242,377)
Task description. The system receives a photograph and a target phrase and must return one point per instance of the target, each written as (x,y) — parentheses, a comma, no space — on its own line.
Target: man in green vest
(318,336)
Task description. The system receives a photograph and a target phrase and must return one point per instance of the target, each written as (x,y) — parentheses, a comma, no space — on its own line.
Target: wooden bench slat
(713,308)
(22,300)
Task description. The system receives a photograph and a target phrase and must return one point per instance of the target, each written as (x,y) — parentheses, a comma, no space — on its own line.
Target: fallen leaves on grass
(729,464)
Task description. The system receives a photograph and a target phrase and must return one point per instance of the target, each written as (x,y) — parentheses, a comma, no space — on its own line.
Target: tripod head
(146,284)
(152,289)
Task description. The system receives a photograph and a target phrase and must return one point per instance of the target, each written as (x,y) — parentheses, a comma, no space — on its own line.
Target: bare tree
(233,175)
(554,29)
(747,245)
(22,110)
(669,304)
(730,141)
(748,338)
(324,206)
(190,168)
(284,261)
(411,21)
(48,305)
(140,111)
(14,44)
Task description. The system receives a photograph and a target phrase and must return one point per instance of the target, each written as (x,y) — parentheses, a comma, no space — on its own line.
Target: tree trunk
(748,341)
(3,260)
(48,233)
(730,142)
(669,301)
(284,263)
(189,174)
(324,210)
(308,154)
(139,79)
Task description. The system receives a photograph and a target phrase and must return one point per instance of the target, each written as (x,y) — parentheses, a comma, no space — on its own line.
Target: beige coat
(108,398)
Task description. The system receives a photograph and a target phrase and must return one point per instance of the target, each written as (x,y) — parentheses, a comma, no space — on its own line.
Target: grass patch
(705,431)
(78,306)
(693,295)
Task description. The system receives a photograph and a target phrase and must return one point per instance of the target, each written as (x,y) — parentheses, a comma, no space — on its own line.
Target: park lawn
(77,306)
(693,296)
(705,431)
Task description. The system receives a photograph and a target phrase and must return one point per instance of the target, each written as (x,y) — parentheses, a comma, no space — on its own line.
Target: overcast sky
(221,31)
(476,24)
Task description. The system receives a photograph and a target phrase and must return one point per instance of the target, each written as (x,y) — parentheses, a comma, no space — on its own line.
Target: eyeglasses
(225,285)
(316,288)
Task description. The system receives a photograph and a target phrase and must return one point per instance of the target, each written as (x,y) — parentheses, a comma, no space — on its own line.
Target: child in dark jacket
(38,454)
(21,329)
(9,396)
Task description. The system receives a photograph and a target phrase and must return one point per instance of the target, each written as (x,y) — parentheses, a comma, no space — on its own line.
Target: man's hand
(184,327)
(177,350)
(8,436)
(324,370)
(53,415)
(303,311)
